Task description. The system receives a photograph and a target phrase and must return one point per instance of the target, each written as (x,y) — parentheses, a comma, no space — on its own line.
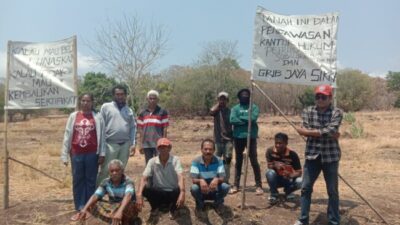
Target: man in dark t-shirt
(284,168)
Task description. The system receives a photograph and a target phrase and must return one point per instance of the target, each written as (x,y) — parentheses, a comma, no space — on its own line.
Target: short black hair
(243,90)
(282,136)
(208,140)
(121,87)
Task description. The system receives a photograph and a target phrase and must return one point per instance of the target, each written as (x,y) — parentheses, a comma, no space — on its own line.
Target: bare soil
(370,164)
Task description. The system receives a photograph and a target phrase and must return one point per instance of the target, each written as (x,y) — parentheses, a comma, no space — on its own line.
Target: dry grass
(370,164)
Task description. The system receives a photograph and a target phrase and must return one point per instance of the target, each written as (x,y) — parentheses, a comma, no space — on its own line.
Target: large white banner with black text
(295,49)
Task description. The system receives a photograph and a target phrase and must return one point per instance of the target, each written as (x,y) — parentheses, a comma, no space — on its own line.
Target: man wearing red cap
(162,182)
(321,124)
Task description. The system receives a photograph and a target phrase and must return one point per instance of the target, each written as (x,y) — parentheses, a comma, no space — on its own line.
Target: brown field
(370,164)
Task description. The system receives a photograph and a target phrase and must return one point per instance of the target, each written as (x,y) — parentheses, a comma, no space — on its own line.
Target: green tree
(307,98)
(99,85)
(354,90)
(393,83)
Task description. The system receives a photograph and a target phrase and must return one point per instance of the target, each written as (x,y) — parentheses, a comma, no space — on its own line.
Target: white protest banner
(295,49)
(42,75)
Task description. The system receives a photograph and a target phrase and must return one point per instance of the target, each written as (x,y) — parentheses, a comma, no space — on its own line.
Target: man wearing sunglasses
(321,124)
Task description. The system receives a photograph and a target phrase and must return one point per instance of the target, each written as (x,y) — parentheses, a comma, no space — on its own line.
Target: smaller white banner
(41,75)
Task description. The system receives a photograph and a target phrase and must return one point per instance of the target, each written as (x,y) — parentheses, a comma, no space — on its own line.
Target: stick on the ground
(37,170)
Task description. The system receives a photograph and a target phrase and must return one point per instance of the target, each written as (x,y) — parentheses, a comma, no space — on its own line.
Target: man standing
(321,127)
(152,125)
(208,174)
(284,168)
(239,119)
(223,132)
(120,130)
(167,183)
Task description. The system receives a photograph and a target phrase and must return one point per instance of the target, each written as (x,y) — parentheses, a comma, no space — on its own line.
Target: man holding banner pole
(321,127)
(239,118)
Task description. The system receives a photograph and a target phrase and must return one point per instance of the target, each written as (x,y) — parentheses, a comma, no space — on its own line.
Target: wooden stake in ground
(246,156)
(5,159)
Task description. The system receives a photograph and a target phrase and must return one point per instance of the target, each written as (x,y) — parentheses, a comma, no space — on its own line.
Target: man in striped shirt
(152,123)
(321,124)
(208,174)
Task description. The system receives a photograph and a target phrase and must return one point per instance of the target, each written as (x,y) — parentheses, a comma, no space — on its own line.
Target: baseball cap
(223,93)
(163,142)
(324,89)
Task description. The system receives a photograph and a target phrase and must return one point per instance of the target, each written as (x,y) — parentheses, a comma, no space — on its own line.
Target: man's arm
(234,117)
(214,109)
(92,201)
(139,194)
(181,183)
(117,217)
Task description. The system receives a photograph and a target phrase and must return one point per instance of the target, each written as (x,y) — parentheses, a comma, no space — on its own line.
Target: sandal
(75,217)
(259,191)
(233,190)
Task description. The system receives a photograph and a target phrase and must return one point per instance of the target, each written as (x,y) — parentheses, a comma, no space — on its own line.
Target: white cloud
(87,63)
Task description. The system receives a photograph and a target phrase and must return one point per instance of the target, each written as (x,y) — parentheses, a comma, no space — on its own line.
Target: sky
(368,31)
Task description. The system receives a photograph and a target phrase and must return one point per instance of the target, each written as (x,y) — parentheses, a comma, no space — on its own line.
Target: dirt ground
(370,164)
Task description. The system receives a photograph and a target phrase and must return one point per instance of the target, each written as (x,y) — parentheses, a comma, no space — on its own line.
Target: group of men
(162,183)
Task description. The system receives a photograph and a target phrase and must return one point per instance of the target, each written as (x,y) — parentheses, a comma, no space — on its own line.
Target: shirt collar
(169,159)
(212,160)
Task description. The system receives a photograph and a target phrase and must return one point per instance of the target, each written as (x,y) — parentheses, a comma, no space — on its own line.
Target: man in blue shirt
(208,174)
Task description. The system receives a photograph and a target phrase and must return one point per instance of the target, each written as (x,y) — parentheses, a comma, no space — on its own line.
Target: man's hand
(336,135)
(139,202)
(132,150)
(100,161)
(214,184)
(117,217)
(204,187)
(181,200)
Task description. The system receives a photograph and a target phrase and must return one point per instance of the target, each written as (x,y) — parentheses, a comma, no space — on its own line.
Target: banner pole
(75,65)
(6,187)
(246,156)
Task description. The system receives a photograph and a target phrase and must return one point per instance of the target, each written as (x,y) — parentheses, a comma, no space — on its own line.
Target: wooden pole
(246,156)
(75,75)
(5,159)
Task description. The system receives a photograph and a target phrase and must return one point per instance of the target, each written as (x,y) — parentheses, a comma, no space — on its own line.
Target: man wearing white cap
(223,131)
(152,123)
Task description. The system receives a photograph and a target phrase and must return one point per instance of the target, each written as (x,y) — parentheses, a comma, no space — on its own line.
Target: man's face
(208,150)
(222,101)
(119,96)
(280,145)
(164,150)
(115,173)
(152,100)
(323,101)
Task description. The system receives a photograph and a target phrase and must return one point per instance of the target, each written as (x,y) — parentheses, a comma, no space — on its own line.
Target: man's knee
(271,174)
(224,188)
(195,189)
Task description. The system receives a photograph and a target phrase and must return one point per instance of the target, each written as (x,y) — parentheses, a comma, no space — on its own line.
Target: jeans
(113,151)
(224,150)
(275,181)
(158,197)
(84,173)
(149,153)
(218,195)
(240,145)
(312,169)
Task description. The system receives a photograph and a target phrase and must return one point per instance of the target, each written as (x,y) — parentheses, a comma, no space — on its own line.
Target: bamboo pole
(6,174)
(246,156)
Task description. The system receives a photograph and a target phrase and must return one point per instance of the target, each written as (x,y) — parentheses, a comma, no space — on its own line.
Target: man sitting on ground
(167,186)
(284,168)
(208,174)
(121,207)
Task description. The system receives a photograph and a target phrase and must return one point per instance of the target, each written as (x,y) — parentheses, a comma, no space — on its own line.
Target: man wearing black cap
(239,119)
(321,127)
